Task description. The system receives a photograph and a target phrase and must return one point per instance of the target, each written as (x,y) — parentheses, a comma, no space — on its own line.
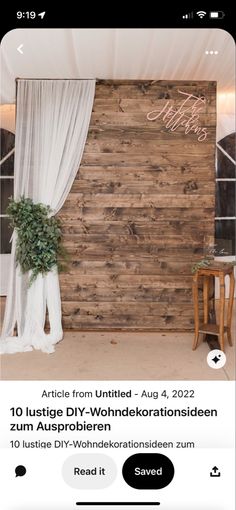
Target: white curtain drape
(51,129)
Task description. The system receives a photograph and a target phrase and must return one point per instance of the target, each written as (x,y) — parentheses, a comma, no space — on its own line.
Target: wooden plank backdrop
(140,211)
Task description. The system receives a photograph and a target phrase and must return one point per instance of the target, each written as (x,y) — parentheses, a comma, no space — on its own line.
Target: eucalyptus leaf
(39,238)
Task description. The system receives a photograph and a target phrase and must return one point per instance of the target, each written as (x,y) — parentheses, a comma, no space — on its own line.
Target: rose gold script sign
(187,115)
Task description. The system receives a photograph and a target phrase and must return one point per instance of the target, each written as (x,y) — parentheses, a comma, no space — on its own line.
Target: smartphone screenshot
(117,276)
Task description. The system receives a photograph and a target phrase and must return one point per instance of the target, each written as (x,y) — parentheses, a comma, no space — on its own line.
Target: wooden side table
(220,270)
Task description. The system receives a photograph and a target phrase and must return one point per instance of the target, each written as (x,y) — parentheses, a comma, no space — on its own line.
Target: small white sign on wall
(217,285)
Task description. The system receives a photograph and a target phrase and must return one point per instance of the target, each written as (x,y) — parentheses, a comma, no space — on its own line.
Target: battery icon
(217,14)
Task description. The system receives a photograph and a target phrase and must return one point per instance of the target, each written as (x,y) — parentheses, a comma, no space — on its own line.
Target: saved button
(148,471)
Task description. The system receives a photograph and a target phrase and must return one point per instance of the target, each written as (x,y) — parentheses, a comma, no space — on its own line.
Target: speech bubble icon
(20,470)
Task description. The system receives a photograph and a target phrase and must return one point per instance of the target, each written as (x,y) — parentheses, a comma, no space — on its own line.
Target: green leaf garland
(39,247)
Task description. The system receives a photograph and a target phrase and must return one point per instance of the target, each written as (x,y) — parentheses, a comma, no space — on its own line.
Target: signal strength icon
(201,14)
(188,16)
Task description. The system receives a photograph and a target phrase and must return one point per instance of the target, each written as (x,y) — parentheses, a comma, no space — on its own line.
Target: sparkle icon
(216,359)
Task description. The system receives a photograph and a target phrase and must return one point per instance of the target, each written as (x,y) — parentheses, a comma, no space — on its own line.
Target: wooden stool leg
(230,308)
(196,311)
(206,299)
(222,309)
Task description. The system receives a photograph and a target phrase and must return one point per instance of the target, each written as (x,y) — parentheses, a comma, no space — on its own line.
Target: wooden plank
(168,242)
(169,323)
(71,226)
(145,187)
(134,281)
(122,104)
(132,246)
(138,122)
(162,139)
(138,266)
(153,173)
(137,294)
(131,125)
(138,200)
(85,253)
(149,215)
(183,157)
(119,309)
(156,89)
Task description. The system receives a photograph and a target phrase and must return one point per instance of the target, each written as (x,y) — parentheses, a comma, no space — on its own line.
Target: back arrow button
(20,48)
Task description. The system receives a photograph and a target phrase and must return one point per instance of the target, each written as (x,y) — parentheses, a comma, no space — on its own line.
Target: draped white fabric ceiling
(161,54)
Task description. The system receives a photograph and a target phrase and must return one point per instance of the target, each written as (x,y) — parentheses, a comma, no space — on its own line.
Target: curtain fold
(51,130)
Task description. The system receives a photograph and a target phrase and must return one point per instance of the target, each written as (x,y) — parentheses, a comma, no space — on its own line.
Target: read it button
(148,471)
(89,471)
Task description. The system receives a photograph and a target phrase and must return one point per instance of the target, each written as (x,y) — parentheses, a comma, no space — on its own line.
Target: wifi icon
(201,14)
